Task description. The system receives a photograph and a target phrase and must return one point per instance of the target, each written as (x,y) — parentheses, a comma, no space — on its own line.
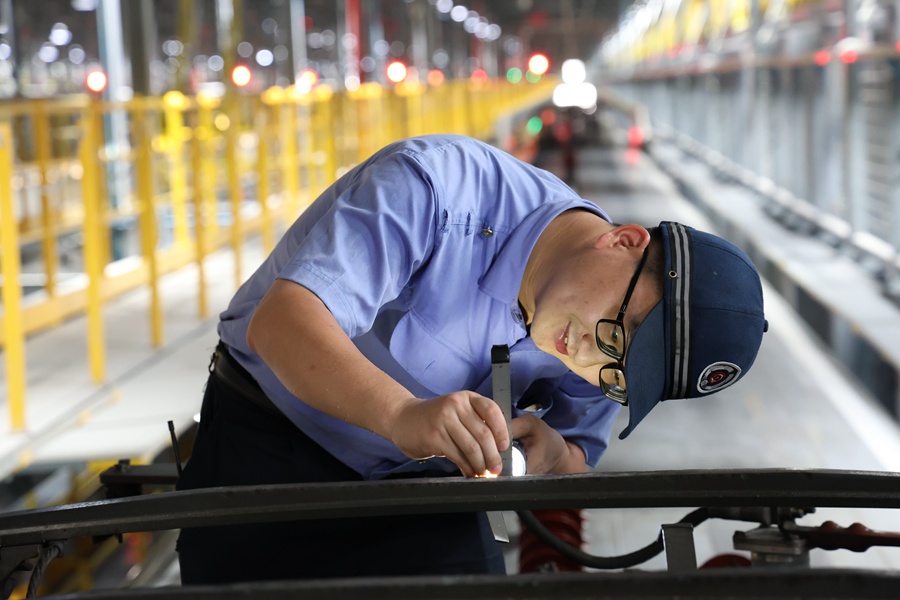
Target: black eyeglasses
(610,335)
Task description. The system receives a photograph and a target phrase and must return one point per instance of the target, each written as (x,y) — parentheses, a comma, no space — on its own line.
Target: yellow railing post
(262,174)
(148,224)
(303,110)
(89,153)
(174,103)
(13,326)
(207,123)
(198,139)
(289,158)
(48,212)
(327,161)
(232,166)
(413,92)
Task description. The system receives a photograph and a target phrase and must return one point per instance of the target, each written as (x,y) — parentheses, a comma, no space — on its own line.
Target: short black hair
(655,258)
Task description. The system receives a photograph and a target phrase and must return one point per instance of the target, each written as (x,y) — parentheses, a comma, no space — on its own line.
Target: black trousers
(240,443)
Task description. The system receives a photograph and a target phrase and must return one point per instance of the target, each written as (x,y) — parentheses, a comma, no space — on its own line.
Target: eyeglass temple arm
(632,285)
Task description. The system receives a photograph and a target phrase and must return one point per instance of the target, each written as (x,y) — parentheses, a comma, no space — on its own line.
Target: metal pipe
(273,503)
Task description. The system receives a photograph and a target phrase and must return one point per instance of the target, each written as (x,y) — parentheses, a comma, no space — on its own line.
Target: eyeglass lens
(611,338)
(612,383)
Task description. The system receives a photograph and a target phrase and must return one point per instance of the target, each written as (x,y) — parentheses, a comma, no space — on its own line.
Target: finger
(465,435)
(486,440)
(448,448)
(524,426)
(492,416)
(461,460)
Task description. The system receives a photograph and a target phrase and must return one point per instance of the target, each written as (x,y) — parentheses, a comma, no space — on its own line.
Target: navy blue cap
(704,334)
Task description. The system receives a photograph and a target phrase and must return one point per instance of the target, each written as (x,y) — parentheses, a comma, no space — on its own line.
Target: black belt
(226,368)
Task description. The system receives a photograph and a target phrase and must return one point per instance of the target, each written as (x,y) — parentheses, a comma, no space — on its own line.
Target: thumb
(524,426)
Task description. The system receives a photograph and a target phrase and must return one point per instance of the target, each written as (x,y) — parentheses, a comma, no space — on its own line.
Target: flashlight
(518,459)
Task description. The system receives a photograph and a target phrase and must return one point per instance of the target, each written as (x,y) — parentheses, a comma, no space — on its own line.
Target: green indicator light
(514,75)
(534,125)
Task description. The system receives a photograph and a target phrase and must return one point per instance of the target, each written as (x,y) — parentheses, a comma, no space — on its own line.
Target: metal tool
(502,385)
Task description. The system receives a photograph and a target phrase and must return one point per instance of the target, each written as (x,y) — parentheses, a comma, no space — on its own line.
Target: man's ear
(627,236)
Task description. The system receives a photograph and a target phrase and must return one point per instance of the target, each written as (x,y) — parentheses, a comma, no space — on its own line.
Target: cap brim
(645,368)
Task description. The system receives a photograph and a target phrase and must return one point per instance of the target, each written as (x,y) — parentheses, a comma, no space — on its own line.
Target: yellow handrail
(12,290)
(90,195)
(200,173)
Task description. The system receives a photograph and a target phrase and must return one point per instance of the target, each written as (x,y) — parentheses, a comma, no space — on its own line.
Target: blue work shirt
(419,253)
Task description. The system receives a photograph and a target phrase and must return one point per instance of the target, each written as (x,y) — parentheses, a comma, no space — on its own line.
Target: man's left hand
(545,449)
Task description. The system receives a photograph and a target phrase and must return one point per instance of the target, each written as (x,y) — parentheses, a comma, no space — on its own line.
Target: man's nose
(587,353)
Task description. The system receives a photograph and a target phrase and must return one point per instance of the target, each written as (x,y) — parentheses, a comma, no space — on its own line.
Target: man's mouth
(562,342)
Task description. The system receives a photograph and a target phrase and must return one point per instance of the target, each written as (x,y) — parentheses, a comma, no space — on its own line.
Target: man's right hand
(467,428)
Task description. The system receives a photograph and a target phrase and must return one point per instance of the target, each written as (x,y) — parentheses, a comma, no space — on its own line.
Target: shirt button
(487,232)
(516,315)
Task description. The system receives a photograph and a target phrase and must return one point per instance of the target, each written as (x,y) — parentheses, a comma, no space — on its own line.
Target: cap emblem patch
(717,376)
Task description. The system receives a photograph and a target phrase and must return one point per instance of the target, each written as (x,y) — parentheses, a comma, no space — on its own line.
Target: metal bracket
(678,540)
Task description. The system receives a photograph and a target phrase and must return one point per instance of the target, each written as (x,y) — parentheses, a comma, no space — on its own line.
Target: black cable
(603,562)
(175,447)
(47,553)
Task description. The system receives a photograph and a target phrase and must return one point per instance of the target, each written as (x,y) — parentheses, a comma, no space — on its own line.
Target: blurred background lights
(60,34)
(241,75)
(396,71)
(435,77)
(441,58)
(96,80)
(48,52)
(538,64)
(245,49)
(76,54)
(351,82)
(381,48)
(306,80)
(215,63)
(459,13)
(264,57)
(582,95)
(573,71)
(172,48)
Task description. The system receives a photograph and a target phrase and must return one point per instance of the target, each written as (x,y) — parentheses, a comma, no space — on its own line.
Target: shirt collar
(503,280)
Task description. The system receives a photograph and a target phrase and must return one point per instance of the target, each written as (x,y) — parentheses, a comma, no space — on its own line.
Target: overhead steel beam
(256,504)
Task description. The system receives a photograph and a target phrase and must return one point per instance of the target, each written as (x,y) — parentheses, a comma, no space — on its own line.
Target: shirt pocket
(537,399)
(429,360)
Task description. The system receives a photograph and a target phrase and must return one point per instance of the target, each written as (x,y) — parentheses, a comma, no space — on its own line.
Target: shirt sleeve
(583,416)
(378,232)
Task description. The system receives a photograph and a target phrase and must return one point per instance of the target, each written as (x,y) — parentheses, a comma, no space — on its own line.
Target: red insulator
(724,561)
(537,557)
